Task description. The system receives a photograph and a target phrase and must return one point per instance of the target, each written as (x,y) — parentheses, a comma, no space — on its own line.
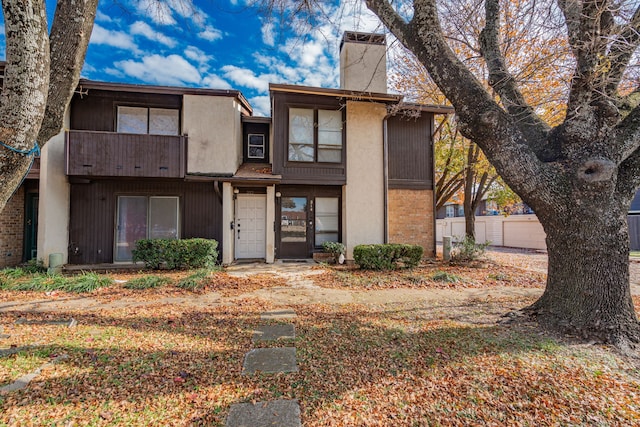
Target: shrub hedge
(387,257)
(173,254)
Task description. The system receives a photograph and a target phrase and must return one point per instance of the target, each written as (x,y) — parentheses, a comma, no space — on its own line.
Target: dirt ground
(298,284)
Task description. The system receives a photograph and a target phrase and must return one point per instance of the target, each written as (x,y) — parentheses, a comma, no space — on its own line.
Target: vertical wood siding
(93,213)
(410,152)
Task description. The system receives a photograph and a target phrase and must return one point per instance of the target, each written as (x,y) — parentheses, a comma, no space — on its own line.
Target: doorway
(250,226)
(31,227)
(308,216)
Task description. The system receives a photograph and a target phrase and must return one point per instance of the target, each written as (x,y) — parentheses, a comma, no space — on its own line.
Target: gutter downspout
(385,175)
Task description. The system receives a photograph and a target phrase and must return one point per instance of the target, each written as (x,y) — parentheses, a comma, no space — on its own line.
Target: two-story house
(139,162)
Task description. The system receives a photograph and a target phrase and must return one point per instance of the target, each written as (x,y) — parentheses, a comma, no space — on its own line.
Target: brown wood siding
(108,154)
(97,109)
(300,172)
(93,212)
(410,152)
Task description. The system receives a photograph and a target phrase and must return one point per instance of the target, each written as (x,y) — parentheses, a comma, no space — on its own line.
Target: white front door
(250,226)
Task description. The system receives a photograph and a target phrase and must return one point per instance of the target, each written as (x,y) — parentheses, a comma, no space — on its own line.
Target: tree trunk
(588,291)
(469,221)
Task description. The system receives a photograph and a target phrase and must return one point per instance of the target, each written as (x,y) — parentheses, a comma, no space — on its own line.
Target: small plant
(502,277)
(87,282)
(195,281)
(146,282)
(468,250)
(443,276)
(387,256)
(335,249)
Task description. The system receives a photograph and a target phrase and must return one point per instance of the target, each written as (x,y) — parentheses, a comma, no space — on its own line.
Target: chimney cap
(357,37)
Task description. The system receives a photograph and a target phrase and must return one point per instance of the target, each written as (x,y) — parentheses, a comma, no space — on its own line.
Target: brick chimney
(363,62)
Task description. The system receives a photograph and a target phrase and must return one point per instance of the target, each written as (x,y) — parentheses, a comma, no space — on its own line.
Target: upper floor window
(315,135)
(153,121)
(449,211)
(256,146)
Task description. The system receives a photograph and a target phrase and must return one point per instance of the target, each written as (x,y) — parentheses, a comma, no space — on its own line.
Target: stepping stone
(63,322)
(24,380)
(280,413)
(274,332)
(270,361)
(275,315)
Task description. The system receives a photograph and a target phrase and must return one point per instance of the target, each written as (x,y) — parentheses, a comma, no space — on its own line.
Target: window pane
(256,146)
(164,121)
(132,120)
(329,136)
(163,217)
(293,223)
(301,135)
(131,225)
(327,220)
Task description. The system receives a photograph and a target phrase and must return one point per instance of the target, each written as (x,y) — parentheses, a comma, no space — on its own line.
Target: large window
(153,121)
(315,135)
(327,220)
(142,217)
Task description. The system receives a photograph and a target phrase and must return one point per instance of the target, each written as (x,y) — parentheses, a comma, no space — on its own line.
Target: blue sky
(225,44)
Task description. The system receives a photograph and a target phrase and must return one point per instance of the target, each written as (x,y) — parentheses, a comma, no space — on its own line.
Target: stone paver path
(285,331)
(280,413)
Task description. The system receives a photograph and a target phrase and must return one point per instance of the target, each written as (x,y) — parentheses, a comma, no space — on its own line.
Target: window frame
(249,145)
(148,108)
(315,109)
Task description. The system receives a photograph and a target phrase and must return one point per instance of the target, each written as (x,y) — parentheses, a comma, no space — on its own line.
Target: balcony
(109,154)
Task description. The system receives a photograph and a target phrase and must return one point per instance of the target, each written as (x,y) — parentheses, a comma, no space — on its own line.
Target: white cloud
(159,12)
(196,54)
(172,70)
(211,34)
(214,82)
(140,28)
(267,34)
(112,38)
(246,78)
(102,17)
(261,105)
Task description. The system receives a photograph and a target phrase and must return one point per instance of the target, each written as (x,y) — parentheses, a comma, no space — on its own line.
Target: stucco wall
(410,216)
(53,205)
(215,134)
(363,204)
(363,67)
(12,230)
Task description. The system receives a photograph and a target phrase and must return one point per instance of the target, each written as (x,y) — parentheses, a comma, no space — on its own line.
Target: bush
(146,282)
(468,250)
(335,249)
(173,254)
(443,276)
(387,257)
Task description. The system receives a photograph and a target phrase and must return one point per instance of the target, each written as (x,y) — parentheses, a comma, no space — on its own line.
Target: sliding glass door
(144,217)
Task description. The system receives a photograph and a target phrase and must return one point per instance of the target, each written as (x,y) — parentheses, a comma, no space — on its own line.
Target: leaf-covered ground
(423,363)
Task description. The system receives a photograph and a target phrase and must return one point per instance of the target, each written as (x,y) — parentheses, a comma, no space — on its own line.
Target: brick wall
(411,218)
(12,230)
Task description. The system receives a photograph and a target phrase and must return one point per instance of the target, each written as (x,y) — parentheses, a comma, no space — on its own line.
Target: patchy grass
(390,365)
(147,282)
(196,281)
(43,282)
(431,275)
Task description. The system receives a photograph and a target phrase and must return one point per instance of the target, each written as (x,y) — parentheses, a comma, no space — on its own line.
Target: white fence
(516,231)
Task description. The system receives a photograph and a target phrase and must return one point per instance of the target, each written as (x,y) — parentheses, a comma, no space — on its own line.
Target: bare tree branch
(534,129)
(621,52)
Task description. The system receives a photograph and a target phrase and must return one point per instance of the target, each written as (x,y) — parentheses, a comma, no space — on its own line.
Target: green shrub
(43,282)
(173,254)
(335,249)
(443,276)
(387,257)
(194,281)
(87,282)
(468,250)
(146,282)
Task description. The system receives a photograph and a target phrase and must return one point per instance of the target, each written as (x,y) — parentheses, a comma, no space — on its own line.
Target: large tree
(578,176)
(42,71)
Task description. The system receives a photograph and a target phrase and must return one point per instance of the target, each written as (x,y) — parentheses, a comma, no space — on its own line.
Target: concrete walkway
(282,413)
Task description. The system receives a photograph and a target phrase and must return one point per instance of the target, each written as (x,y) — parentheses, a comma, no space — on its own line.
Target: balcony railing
(109,154)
